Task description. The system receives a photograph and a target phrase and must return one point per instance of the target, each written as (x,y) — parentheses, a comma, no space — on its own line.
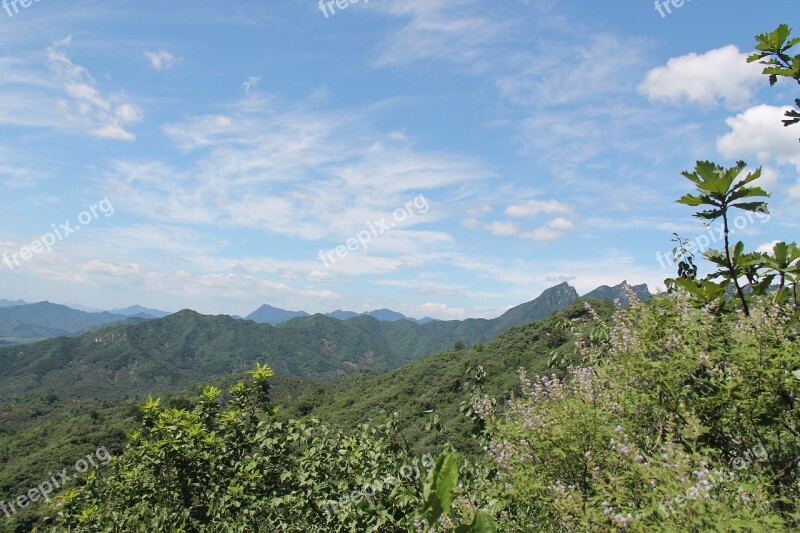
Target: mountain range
(22,322)
(140,312)
(30,322)
(266,314)
(152,356)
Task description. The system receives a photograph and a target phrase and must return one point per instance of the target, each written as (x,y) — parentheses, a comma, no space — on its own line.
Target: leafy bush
(231,466)
(687,422)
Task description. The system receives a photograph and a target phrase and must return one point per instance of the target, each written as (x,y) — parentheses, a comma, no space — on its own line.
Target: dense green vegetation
(33,427)
(438,384)
(681,421)
(41,434)
(677,419)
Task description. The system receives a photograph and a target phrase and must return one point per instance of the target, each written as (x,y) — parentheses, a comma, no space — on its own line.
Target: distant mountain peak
(9,303)
(139,311)
(620,293)
(267,314)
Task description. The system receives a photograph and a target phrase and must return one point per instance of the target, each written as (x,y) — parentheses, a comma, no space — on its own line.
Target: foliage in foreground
(680,421)
(231,466)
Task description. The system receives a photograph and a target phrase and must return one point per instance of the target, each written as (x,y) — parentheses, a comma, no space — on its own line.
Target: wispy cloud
(65,97)
(298,173)
(162,60)
(451,30)
(84,105)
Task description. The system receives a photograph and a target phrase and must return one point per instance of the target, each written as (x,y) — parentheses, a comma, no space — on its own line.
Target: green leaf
(484,523)
(756,207)
(691,200)
(442,481)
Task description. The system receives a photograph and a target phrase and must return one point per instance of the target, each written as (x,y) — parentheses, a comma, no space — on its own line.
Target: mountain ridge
(186,347)
(32,322)
(141,312)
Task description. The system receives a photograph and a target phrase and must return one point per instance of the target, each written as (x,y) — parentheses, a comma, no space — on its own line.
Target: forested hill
(439,383)
(172,352)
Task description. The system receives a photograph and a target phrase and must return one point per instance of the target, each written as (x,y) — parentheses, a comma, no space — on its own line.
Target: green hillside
(167,354)
(40,433)
(440,383)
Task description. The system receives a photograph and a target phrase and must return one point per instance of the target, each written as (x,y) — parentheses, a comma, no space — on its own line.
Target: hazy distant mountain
(266,314)
(387,315)
(342,315)
(384,315)
(85,309)
(553,299)
(618,293)
(8,303)
(140,312)
(26,323)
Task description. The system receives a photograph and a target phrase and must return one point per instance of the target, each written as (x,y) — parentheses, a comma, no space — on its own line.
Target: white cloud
(105,117)
(769,177)
(295,172)
(767,247)
(427,288)
(128,113)
(502,228)
(534,208)
(250,83)
(162,60)
(759,132)
(543,234)
(318,276)
(433,310)
(794,191)
(200,131)
(452,30)
(554,229)
(598,67)
(706,79)
(560,223)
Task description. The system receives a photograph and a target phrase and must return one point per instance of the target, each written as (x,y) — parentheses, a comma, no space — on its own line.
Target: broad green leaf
(442,481)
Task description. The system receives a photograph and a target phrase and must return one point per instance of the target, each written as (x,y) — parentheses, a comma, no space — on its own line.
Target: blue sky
(483,151)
